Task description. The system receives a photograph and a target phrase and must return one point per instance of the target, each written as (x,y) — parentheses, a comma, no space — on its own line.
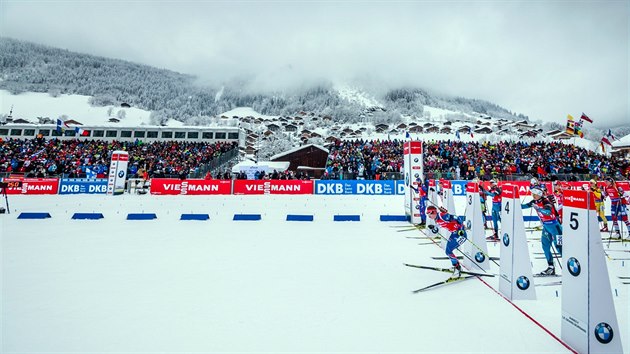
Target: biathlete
(599,204)
(617,207)
(422,190)
(552,230)
(495,192)
(458,234)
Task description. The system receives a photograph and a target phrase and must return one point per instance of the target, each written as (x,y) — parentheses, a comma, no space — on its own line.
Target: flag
(61,126)
(578,129)
(81,132)
(601,144)
(606,141)
(610,135)
(90,173)
(407,136)
(570,125)
(457,134)
(586,118)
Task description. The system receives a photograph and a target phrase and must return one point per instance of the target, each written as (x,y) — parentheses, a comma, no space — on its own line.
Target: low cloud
(541,59)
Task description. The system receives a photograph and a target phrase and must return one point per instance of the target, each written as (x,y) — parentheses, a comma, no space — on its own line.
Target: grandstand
(120,133)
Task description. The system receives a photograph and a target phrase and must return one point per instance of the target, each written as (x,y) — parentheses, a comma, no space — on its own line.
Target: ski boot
(604,229)
(551,270)
(616,235)
(494,238)
(457,271)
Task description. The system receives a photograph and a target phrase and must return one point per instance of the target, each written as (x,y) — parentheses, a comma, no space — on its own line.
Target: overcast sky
(545,59)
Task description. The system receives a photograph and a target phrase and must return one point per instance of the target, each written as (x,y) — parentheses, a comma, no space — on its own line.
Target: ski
(444,282)
(442,258)
(625,282)
(622,277)
(553,283)
(423,237)
(546,275)
(448,270)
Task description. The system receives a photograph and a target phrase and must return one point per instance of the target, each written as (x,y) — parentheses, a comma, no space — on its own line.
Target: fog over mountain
(28,67)
(541,59)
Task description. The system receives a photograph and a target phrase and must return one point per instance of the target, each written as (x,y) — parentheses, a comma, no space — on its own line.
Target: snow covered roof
(623,142)
(297,149)
(267,166)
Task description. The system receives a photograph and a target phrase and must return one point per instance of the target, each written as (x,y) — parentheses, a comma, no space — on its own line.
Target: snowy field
(165,285)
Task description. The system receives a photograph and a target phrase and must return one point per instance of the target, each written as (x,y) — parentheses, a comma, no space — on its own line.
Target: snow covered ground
(113,285)
(30,105)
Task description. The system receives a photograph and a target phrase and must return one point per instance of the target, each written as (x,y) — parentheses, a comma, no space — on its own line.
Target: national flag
(610,135)
(61,126)
(81,132)
(407,136)
(570,125)
(578,129)
(601,144)
(586,118)
(89,173)
(457,135)
(606,141)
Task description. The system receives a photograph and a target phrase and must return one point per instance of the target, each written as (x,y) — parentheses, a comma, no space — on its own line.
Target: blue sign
(336,187)
(459,187)
(82,186)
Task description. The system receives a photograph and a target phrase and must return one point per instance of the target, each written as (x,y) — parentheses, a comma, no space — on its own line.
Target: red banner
(412,147)
(34,186)
(577,199)
(523,186)
(242,186)
(509,191)
(172,186)
(472,187)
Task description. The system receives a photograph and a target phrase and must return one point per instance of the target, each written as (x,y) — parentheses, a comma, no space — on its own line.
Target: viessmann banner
(272,187)
(34,185)
(172,186)
(388,187)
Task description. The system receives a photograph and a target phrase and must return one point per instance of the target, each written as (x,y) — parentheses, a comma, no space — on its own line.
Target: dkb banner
(83,186)
(388,187)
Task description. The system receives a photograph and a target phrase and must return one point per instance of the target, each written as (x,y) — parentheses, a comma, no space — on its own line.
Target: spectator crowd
(366,159)
(467,160)
(78,158)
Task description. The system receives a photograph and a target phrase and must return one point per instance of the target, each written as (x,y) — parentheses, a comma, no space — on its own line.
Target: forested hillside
(26,66)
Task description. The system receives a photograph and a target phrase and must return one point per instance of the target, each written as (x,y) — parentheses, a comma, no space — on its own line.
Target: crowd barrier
(170,186)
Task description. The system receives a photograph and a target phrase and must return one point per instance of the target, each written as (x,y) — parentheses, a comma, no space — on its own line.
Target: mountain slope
(28,67)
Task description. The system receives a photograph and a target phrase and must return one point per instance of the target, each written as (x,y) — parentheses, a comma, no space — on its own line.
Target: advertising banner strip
(172,186)
(333,187)
(33,186)
(254,187)
(83,186)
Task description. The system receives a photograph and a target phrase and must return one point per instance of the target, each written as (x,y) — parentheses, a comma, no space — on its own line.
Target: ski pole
(471,242)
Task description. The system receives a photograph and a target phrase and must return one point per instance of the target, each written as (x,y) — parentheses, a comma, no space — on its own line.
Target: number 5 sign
(589,321)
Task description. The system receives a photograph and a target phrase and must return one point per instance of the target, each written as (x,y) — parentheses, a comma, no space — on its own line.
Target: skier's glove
(433,228)
(442,210)
(460,232)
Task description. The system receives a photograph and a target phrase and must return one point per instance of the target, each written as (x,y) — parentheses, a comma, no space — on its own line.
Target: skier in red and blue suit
(495,192)
(458,233)
(422,190)
(552,230)
(617,206)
